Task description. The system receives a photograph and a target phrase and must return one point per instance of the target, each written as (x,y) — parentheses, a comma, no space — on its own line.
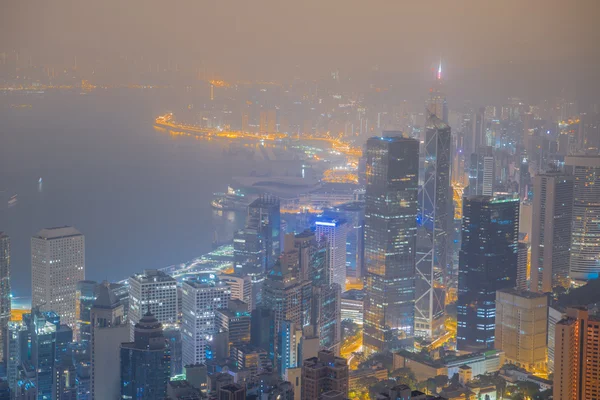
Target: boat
(40,180)
(12,201)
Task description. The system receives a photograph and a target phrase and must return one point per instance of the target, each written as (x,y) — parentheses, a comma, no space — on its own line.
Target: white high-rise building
(334,231)
(241,287)
(156,290)
(202,297)
(57,264)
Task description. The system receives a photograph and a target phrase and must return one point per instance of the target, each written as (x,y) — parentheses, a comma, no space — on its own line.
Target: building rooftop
(354,294)
(522,293)
(57,233)
(152,275)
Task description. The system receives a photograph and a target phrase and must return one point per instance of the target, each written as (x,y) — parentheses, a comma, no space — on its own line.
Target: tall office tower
(57,264)
(262,328)
(173,341)
(271,121)
(436,103)
(145,363)
(248,252)
(487,263)
(108,330)
(390,241)
(521,328)
(522,263)
(585,237)
(354,214)
(262,127)
(476,138)
(86,296)
(202,297)
(48,345)
(235,319)
(5,296)
(326,316)
(245,121)
(334,230)
(554,315)
(436,220)
(481,172)
(289,345)
(305,243)
(241,287)
(322,374)
(155,291)
(288,297)
(577,361)
(264,217)
(232,391)
(551,231)
(17,344)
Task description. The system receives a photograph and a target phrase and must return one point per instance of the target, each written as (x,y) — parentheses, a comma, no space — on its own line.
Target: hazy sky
(280,39)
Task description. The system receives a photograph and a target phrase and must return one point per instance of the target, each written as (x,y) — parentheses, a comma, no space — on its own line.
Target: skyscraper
(264,217)
(436,103)
(153,290)
(390,240)
(326,316)
(487,263)
(334,230)
(86,296)
(248,252)
(577,360)
(241,287)
(108,331)
(551,230)
(49,341)
(585,238)
(202,297)
(288,297)
(354,214)
(521,328)
(57,264)
(322,374)
(481,172)
(5,297)
(145,363)
(435,219)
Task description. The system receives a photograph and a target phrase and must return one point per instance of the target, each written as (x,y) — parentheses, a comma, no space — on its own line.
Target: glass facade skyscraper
(264,217)
(390,240)
(145,362)
(585,238)
(487,262)
(435,219)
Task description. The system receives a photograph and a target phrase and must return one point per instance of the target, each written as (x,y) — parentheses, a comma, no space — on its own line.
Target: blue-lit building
(333,231)
(354,214)
(173,338)
(391,206)
(487,262)
(48,355)
(145,362)
(86,296)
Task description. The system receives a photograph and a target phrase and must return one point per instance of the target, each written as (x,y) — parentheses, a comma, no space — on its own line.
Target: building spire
(439,72)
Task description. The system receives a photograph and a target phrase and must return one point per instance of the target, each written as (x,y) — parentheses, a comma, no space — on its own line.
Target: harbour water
(140,196)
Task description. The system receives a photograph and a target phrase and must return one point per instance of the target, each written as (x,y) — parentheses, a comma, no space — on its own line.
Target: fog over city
(299,200)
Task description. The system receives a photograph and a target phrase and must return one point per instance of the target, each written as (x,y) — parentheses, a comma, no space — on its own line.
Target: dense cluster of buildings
(492,217)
